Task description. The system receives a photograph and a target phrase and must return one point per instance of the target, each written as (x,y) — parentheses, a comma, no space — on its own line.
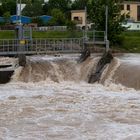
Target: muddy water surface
(67,108)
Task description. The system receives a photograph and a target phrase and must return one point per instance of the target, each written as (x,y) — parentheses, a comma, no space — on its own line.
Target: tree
(63,5)
(97,15)
(38,20)
(71,25)
(58,18)
(1,10)
(33,9)
(6,16)
(9,6)
(79,4)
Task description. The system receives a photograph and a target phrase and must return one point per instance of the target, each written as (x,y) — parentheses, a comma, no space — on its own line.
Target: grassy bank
(131,41)
(7,34)
(57,34)
(48,34)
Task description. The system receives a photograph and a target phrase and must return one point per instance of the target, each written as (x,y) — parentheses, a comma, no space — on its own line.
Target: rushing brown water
(50,99)
(58,70)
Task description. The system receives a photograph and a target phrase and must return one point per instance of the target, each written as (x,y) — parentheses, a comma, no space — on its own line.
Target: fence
(50,28)
(99,37)
(38,46)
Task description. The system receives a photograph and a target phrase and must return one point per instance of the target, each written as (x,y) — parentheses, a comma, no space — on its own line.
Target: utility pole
(16,10)
(86,24)
(20,38)
(20,12)
(106,27)
(19,26)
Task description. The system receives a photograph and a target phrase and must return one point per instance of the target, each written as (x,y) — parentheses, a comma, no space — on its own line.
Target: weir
(105,59)
(64,68)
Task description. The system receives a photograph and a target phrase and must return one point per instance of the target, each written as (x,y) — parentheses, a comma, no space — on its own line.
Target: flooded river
(50,99)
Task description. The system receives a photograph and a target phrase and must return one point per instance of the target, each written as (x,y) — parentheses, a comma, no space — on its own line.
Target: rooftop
(131,2)
(77,11)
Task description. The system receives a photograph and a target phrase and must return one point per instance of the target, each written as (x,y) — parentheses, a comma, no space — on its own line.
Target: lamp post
(20,12)
(106,27)
(16,10)
(21,42)
(19,27)
(18,20)
(86,23)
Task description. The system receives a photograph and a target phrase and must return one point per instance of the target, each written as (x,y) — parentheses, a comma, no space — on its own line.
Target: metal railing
(38,46)
(99,37)
(50,45)
(50,28)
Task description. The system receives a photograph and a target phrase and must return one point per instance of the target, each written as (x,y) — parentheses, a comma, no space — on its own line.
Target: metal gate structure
(40,46)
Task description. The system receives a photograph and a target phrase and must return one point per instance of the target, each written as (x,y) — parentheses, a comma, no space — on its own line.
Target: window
(138,13)
(122,7)
(76,18)
(128,7)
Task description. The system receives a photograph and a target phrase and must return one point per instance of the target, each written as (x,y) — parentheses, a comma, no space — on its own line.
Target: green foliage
(58,18)
(38,20)
(63,5)
(57,34)
(32,1)
(8,6)
(33,9)
(131,41)
(1,10)
(80,4)
(6,16)
(70,25)
(7,34)
(97,15)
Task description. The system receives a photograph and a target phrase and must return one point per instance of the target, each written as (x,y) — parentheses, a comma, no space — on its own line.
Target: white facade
(132,26)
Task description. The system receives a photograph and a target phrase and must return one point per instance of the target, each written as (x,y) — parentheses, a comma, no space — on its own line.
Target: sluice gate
(40,46)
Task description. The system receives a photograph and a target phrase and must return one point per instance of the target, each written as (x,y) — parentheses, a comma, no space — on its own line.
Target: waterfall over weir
(59,69)
(56,69)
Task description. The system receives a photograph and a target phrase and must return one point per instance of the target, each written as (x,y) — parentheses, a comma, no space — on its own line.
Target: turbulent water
(50,99)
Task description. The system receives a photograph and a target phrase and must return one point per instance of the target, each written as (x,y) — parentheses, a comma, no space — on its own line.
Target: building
(132,26)
(79,17)
(132,8)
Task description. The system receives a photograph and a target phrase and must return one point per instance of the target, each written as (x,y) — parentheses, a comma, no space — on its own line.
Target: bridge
(49,45)
(30,46)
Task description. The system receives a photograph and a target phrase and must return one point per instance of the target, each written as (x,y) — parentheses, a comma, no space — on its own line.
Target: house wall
(133,10)
(81,15)
(132,26)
